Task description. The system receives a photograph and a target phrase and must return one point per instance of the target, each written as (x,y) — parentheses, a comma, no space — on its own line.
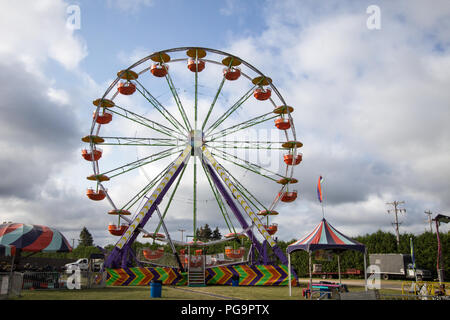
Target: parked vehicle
(396,265)
(83,264)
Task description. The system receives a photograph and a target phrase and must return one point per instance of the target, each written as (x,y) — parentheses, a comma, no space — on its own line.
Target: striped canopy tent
(326,237)
(33,238)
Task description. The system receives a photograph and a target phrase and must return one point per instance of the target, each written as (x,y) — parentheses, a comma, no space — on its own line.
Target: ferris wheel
(218,98)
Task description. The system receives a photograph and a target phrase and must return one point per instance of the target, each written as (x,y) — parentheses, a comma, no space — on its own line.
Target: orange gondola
(289,159)
(95,195)
(153,254)
(159,70)
(288,196)
(91,156)
(234,235)
(262,93)
(267,213)
(103,118)
(285,181)
(271,229)
(234,253)
(282,124)
(154,236)
(126,88)
(193,66)
(98,177)
(119,211)
(232,73)
(116,230)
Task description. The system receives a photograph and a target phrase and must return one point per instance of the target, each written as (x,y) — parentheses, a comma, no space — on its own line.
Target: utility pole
(182,230)
(429,213)
(397,210)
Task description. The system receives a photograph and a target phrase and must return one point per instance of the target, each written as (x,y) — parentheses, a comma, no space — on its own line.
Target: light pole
(429,213)
(182,230)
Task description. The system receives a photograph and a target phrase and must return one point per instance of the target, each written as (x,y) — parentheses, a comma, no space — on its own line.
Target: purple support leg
(235,209)
(278,252)
(119,258)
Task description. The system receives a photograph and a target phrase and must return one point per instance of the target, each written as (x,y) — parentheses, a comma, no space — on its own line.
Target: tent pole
(310,276)
(365,269)
(289,274)
(339,268)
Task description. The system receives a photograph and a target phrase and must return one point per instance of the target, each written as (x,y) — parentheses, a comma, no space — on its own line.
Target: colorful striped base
(249,275)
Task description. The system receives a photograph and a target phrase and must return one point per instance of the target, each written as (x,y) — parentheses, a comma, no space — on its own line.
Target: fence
(30,280)
(10,285)
(426,288)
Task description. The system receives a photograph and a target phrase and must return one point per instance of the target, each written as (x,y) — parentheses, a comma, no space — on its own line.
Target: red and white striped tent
(325,237)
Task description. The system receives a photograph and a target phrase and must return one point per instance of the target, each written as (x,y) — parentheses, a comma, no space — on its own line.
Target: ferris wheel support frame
(119,256)
(212,163)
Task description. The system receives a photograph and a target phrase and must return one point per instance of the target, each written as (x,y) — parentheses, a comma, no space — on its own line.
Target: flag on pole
(412,253)
(319,188)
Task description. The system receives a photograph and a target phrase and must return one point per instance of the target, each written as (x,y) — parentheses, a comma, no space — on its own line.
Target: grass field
(174,293)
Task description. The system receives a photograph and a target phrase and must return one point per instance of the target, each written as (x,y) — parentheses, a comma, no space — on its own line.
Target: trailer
(317,271)
(396,265)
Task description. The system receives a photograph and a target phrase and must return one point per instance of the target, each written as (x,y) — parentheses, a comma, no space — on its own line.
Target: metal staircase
(196,272)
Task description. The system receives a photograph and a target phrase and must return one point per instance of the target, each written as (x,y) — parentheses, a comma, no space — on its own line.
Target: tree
(216,234)
(205,233)
(86,239)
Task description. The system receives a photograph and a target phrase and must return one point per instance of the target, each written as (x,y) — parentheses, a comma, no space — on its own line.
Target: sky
(370,91)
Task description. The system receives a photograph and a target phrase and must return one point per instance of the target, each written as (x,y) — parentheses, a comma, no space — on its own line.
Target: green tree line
(425,250)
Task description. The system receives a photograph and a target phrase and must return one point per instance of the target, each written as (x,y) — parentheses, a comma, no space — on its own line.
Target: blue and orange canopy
(33,238)
(325,237)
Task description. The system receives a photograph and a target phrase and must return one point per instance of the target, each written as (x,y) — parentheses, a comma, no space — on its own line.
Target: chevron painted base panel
(143,276)
(249,275)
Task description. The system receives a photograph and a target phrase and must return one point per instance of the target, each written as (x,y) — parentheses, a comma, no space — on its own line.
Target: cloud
(370,106)
(37,33)
(132,6)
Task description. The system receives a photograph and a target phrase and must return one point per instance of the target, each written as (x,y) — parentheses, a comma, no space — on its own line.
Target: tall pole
(396,211)
(182,230)
(429,213)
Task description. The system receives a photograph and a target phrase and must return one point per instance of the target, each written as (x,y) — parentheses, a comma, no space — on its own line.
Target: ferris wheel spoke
(231,110)
(222,175)
(141,162)
(170,199)
(243,125)
(243,190)
(219,201)
(158,106)
(246,164)
(252,145)
(145,122)
(213,103)
(217,93)
(173,89)
(147,142)
(146,189)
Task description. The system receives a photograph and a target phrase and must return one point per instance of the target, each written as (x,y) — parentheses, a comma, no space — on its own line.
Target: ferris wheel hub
(197,140)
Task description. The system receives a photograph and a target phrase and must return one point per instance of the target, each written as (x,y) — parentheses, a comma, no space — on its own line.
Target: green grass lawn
(174,293)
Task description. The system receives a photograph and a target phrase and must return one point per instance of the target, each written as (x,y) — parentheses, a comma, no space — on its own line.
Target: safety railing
(425,288)
(63,280)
